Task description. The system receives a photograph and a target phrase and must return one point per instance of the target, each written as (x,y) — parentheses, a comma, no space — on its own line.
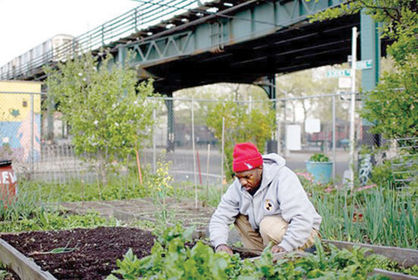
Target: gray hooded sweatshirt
(281,188)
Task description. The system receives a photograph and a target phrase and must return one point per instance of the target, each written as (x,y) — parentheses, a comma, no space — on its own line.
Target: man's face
(250,179)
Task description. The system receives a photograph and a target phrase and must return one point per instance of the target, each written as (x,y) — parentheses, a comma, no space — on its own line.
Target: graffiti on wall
(20,119)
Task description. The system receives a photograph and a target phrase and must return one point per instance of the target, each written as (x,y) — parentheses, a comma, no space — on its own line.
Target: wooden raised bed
(72,254)
(26,268)
(403,256)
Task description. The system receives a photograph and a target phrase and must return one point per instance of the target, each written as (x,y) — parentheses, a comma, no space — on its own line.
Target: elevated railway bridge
(185,43)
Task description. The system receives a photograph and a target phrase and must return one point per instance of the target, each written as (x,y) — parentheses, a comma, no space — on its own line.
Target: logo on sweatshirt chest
(268,205)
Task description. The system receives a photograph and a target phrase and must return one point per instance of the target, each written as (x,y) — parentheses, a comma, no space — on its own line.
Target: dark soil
(92,253)
(85,253)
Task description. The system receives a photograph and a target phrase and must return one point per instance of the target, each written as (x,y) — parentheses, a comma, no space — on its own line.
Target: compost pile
(81,253)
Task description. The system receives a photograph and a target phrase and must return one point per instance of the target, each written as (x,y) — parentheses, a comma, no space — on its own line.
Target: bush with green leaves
(241,125)
(319,158)
(109,115)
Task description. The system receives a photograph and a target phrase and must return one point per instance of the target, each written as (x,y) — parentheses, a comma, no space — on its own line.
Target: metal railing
(147,14)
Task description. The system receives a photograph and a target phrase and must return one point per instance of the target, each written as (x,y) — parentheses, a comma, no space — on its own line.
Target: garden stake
(198,166)
(139,166)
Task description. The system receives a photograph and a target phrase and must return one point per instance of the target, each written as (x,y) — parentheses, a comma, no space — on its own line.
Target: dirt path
(144,209)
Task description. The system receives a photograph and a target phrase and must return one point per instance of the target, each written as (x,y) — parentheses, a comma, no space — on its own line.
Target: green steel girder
(248,21)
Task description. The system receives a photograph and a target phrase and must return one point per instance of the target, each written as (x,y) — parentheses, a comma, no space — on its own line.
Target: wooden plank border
(24,267)
(403,256)
(393,275)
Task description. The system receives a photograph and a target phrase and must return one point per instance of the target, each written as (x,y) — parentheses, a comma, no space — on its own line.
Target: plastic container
(321,171)
(8,183)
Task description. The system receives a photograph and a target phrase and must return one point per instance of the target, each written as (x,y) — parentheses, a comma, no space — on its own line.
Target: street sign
(338,73)
(344,82)
(364,64)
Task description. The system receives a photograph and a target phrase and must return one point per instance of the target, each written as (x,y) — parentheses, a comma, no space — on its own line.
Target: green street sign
(336,73)
(364,64)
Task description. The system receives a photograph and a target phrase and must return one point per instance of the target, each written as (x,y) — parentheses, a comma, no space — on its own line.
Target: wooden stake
(138,164)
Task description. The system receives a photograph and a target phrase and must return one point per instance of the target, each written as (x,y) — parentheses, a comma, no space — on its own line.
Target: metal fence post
(222,154)
(334,156)
(50,117)
(32,134)
(154,140)
(194,156)
(207,173)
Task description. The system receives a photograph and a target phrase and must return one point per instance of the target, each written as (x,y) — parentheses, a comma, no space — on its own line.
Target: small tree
(240,126)
(108,114)
(393,106)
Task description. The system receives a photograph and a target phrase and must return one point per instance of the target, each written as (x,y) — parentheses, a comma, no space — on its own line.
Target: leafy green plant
(172,258)
(4,274)
(162,189)
(319,157)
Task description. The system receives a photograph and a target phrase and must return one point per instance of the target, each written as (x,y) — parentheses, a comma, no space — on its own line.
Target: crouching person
(266,203)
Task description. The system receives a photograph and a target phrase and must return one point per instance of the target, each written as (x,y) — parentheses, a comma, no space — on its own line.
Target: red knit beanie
(246,157)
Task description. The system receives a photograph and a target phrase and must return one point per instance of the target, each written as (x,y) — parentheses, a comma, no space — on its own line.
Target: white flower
(96,122)
(80,74)
(136,102)
(116,124)
(84,79)
(114,105)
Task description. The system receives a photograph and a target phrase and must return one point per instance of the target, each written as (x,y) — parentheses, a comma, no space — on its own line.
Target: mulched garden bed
(89,254)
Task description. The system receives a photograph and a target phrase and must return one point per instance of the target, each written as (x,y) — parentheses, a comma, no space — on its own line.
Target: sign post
(353,104)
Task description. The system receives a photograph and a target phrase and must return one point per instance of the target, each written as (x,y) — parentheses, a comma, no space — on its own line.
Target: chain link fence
(305,125)
(39,142)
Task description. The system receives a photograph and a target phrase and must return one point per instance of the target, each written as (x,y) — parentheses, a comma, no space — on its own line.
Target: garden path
(144,209)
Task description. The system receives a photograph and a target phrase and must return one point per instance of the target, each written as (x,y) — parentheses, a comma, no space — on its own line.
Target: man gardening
(266,203)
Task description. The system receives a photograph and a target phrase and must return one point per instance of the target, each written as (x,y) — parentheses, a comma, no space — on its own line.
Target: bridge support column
(121,54)
(170,123)
(370,49)
(269,86)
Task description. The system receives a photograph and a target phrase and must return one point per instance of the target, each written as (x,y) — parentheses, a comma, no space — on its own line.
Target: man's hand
(277,249)
(224,248)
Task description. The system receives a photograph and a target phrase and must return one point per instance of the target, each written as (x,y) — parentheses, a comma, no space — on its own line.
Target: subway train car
(55,49)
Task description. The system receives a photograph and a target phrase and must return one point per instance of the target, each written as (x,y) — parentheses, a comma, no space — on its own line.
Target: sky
(25,24)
